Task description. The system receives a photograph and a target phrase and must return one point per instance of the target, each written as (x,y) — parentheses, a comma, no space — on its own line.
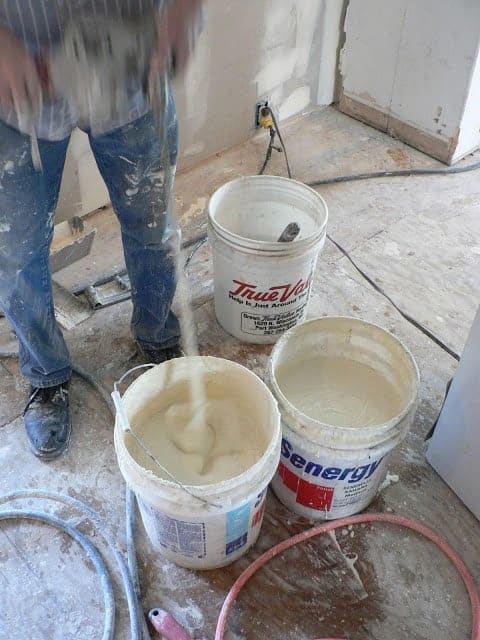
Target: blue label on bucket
(233,546)
(179,536)
(238,521)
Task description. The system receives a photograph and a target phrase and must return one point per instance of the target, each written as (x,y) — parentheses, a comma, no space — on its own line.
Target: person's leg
(27,206)
(130,161)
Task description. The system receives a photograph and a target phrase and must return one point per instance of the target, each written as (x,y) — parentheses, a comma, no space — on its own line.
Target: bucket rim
(267,245)
(212,489)
(317,425)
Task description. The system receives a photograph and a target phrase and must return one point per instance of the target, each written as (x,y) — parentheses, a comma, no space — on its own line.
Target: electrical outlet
(259,105)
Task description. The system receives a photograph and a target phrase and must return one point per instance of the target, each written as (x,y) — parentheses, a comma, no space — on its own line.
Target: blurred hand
(176,30)
(20,85)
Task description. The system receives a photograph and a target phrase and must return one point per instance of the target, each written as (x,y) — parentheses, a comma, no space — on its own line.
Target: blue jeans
(129,159)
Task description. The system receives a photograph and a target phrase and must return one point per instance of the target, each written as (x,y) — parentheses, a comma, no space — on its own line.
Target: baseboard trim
(442,149)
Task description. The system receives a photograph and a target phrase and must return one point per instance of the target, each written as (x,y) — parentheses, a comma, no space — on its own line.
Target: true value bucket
(200,526)
(262,286)
(347,392)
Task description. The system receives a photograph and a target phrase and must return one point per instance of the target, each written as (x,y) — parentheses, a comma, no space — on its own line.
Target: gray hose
(138,625)
(132,556)
(130,528)
(91,552)
(136,618)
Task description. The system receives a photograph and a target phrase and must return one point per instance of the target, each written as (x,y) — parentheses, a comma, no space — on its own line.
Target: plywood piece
(69,245)
(69,310)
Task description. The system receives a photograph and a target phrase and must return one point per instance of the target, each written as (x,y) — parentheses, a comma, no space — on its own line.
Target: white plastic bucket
(201,526)
(328,472)
(262,286)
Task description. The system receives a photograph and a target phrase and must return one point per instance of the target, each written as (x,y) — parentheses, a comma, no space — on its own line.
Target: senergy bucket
(347,392)
(262,286)
(210,515)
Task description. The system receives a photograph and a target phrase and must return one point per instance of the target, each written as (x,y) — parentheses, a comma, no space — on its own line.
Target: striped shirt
(39,25)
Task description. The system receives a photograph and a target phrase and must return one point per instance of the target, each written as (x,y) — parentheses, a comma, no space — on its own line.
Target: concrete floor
(419,239)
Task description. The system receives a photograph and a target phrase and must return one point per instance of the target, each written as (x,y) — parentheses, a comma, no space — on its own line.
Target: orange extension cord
(336,524)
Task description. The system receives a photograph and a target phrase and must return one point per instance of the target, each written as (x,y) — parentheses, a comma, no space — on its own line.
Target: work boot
(157,356)
(47,420)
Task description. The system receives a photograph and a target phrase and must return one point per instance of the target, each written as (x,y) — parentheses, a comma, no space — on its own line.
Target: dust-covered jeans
(130,162)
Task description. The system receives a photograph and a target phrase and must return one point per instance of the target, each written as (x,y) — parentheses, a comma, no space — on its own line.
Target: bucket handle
(126,428)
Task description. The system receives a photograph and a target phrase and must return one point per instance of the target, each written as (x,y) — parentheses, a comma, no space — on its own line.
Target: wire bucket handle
(126,428)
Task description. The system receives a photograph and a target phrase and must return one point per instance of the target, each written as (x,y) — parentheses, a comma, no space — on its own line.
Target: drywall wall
(369,56)
(285,50)
(408,68)
(252,50)
(468,139)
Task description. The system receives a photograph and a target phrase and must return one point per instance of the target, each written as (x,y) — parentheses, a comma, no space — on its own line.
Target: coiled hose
(129,574)
(137,620)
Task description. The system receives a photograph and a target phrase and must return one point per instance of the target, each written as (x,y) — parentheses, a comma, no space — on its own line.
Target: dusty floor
(419,239)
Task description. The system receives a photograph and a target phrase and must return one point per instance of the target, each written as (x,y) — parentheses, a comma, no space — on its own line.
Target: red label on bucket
(275,293)
(307,494)
(318,485)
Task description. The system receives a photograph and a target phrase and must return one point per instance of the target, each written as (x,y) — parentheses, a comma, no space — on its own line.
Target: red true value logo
(278,293)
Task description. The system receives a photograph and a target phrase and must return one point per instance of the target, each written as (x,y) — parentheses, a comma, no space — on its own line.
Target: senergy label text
(351,474)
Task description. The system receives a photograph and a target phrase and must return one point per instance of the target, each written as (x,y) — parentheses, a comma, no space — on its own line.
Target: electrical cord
(271,123)
(196,246)
(346,522)
(200,240)
(268,154)
(418,325)
(396,173)
(280,137)
(267,120)
(367,176)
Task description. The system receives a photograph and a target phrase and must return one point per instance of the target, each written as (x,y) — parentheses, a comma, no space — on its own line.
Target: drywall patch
(306,28)
(281,23)
(295,103)
(278,70)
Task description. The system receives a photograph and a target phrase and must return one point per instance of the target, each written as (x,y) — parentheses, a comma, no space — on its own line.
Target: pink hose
(336,524)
